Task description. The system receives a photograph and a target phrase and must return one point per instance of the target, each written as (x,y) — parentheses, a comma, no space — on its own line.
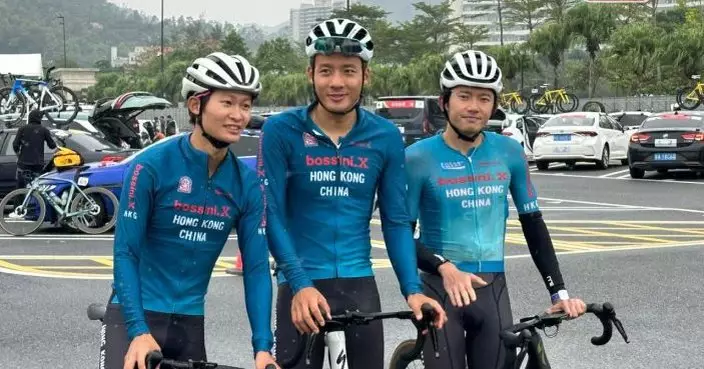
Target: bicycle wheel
(27,213)
(399,362)
(519,107)
(12,111)
(688,99)
(102,211)
(535,107)
(68,103)
(594,106)
(568,106)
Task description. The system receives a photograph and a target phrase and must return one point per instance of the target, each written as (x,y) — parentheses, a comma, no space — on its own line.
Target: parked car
(630,120)
(417,117)
(671,140)
(578,137)
(522,128)
(91,148)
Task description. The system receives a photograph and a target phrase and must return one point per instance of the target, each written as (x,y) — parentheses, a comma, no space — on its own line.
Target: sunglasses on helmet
(329,45)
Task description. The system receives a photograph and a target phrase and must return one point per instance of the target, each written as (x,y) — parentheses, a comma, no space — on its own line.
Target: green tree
(466,36)
(430,30)
(523,12)
(633,58)
(234,45)
(279,56)
(551,40)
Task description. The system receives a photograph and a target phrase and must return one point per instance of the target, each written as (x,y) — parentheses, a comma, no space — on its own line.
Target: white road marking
(622,178)
(626,206)
(613,173)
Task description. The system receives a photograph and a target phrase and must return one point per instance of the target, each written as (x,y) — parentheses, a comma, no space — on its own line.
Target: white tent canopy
(28,65)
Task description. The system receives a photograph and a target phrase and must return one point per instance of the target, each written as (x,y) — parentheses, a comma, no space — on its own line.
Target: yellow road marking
(655,228)
(104,261)
(615,235)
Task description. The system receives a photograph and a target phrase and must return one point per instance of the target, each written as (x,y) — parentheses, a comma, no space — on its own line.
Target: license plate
(561,149)
(402,129)
(562,138)
(665,156)
(665,142)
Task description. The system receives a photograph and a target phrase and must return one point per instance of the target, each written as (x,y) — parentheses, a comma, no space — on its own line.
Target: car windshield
(89,142)
(570,121)
(631,120)
(681,121)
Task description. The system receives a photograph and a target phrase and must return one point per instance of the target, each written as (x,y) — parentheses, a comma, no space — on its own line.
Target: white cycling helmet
(340,28)
(471,68)
(219,71)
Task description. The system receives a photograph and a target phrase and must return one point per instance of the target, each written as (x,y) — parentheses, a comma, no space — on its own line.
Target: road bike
(515,101)
(86,209)
(524,337)
(47,95)
(690,98)
(550,99)
(333,331)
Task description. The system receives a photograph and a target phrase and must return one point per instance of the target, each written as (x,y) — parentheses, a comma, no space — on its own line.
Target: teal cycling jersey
(461,201)
(324,195)
(173,223)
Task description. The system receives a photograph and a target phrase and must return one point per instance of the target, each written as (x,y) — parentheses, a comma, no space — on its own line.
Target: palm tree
(551,40)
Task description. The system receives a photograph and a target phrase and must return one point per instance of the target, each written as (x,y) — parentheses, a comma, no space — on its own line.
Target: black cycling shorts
(181,337)
(470,338)
(365,344)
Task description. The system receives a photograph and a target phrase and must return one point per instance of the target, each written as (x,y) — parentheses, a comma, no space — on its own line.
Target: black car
(672,140)
(417,117)
(91,148)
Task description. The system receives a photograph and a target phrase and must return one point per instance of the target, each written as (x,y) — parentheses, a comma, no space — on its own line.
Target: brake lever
(619,328)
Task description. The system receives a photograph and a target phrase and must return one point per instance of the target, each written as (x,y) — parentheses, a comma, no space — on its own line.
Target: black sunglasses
(329,45)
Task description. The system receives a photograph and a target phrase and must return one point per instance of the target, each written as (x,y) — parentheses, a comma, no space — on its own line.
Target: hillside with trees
(93,26)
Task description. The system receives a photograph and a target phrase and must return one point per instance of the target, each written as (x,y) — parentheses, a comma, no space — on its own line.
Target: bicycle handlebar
(605,312)
(336,323)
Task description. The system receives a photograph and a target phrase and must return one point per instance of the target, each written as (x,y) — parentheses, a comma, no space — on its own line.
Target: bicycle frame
(62,209)
(549,96)
(18,88)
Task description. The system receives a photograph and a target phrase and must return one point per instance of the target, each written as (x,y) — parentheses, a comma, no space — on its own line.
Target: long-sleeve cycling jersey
(324,193)
(172,225)
(462,200)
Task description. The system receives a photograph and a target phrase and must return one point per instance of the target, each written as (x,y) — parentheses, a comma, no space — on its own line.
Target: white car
(580,136)
(522,128)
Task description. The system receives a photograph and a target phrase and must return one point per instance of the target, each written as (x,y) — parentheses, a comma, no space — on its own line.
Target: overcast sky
(264,12)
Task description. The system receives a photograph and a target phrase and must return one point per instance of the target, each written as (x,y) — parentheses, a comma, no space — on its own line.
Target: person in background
(29,147)
(170,126)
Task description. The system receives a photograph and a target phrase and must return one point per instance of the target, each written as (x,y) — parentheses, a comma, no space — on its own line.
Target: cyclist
(458,187)
(322,165)
(178,205)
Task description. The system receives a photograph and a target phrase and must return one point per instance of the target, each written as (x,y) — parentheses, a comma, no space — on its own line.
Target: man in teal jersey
(458,188)
(323,164)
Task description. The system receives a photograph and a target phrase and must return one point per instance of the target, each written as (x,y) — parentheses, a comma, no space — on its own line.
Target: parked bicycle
(47,95)
(91,210)
(691,97)
(548,100)
(515,101)
(333,332)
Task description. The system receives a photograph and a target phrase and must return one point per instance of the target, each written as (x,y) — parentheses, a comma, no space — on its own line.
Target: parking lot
(636,243)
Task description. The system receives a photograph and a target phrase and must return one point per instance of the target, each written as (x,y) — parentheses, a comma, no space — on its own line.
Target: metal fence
(612,104)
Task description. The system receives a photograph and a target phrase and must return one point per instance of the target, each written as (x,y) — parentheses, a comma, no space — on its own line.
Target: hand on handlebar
(572,307)
(264,360)
(416,301)
(138,350)
(307,310)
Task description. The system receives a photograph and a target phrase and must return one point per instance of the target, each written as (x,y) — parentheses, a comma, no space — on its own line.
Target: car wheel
(604,162)
(636,172)
(542,164)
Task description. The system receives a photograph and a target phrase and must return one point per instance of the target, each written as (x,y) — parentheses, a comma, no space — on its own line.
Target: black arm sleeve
(427,261)
(541,250)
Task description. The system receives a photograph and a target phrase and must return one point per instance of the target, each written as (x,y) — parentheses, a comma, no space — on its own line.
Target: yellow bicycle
(547,101)
(515,101)
(691,99)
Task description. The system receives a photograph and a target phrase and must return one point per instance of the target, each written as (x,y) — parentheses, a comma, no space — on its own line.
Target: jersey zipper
(474,208)
(337,203)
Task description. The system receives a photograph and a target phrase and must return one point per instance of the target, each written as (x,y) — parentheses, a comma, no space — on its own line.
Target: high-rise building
(485,13)
(311,13)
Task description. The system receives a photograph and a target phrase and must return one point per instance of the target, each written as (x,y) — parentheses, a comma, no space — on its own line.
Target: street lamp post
(63,26)
(162,48)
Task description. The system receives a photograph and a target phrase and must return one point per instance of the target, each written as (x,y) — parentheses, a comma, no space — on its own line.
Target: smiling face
(225,115)
(470,108)
(338,80)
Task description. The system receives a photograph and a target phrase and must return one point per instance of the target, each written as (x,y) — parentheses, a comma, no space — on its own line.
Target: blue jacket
(173,223)
(462,201)
(324,195)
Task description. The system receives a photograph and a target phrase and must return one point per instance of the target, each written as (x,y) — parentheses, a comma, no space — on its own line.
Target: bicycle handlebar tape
(153,359)
(428,312)
(604,312)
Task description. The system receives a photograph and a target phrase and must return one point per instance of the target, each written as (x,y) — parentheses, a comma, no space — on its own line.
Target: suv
(417,117)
